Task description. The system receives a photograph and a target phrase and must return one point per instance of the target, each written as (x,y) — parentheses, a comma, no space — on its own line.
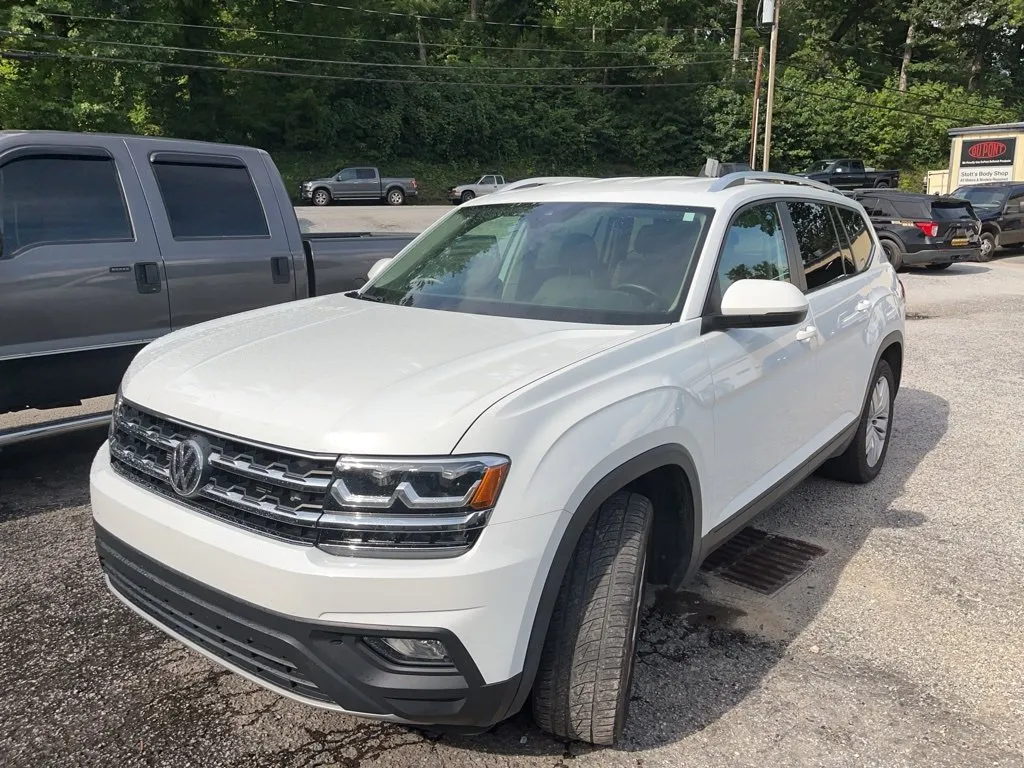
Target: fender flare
(672,455)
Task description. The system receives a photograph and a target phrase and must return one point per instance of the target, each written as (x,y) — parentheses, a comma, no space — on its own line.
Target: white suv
(428,499)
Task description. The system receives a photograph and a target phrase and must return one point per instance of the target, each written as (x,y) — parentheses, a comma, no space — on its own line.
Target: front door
(82,284)
(224,241)
(766,395)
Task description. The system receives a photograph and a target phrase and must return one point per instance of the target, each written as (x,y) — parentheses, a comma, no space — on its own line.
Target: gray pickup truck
(359,184)
(107,242)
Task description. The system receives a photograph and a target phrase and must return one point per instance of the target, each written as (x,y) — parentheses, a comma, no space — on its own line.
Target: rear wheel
(863,459)
(893,253)
(586,668)
(988,246)
(321,197)
(881,184)
(395,196)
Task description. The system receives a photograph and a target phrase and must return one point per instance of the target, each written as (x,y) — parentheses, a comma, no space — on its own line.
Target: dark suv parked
(922,230)
(998,205)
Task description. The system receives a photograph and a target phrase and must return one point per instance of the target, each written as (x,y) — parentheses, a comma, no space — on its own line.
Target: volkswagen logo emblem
(189,467)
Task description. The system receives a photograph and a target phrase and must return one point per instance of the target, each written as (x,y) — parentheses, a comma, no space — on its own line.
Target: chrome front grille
(268,490)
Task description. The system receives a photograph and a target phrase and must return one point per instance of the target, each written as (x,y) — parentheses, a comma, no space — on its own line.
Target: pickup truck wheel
(881,184)
(467,196)
(893,254)
(321,197)
(988,246)
(862,460)
(586,668)
(395,196)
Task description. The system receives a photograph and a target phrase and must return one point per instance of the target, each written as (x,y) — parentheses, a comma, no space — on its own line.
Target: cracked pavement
(901,646)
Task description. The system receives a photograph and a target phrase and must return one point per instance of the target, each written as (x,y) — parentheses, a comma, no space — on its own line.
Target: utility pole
(737,35)
(757,107)
(771,85)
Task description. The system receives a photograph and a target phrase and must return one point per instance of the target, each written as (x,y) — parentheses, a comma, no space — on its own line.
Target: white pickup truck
(424,500)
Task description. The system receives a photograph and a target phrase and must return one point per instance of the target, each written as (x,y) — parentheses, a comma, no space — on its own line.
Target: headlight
(410,507)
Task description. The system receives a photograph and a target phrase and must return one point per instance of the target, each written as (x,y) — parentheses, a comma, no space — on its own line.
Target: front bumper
(941,256)
(320,663)
(292,618)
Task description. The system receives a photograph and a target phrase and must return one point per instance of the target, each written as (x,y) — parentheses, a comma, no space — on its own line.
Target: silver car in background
(487,184)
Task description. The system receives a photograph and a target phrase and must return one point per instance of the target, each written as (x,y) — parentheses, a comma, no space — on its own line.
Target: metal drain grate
(763,562)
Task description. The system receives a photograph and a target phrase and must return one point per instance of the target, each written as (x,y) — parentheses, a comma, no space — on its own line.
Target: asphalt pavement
(901,646)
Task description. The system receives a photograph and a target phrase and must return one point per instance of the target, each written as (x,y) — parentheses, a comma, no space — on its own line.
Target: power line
(22,55)
(336,62)
(845,100)
(515,24)
(341,38)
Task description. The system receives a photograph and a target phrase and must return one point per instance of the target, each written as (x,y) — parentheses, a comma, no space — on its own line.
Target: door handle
(862,306)
(147,277)
(281,269)
(807,334)
(845,321)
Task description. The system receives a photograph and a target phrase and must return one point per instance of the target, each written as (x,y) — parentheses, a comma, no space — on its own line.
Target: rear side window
(61,199)
(879,207)
(819,246)
(365,174)
(857,236)
(754,248)
(210,201)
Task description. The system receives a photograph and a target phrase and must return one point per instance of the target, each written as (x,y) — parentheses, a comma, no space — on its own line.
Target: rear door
(221,231)
(80,268)
(838,291)
(849,174)
(367,184)
(1013,219)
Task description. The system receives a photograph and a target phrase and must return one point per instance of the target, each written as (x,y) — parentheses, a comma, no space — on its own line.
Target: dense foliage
(535,86)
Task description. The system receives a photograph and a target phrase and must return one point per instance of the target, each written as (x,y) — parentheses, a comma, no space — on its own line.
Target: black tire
(320,197)
(893,253)
(881,184)
(395,196)
(854,466)
(988,246)
(468,195)
(586,669)
(937,267)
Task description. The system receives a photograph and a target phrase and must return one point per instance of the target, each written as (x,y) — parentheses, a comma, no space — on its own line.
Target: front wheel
(988,246)
(863,459)
(395,197)
(321,197)
(467,196)
(586,668)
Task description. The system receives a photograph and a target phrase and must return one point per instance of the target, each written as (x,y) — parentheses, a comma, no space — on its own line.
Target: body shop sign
(983,160)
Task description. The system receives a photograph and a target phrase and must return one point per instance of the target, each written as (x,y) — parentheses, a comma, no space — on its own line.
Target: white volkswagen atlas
(428,499)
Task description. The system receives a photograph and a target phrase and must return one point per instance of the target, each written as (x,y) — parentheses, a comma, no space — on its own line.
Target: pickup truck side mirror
(761,304)
(377,268)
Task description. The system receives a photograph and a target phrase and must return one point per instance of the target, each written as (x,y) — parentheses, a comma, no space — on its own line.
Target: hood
(341,375)
(324,180)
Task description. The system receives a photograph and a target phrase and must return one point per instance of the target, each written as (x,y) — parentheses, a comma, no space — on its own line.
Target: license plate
(959,242)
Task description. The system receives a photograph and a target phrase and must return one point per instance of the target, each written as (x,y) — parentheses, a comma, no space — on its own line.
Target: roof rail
(740,178)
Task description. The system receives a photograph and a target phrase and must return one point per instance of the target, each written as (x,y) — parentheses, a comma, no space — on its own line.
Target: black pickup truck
(107,242)
(850,173)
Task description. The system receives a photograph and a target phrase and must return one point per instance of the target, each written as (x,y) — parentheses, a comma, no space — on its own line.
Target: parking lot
(902,645)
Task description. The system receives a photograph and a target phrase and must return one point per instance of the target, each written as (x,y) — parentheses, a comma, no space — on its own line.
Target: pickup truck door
(1013,219)
(82,282)
(848,174)
(367,184)
(222,226)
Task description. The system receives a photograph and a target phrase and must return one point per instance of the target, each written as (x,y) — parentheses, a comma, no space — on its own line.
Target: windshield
(608,263)
(983,197)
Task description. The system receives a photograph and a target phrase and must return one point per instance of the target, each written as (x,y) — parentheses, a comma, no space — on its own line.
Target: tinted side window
(754,248)
(857,234)
(61,199)
(819,246)
(857,165)
(207,201)
(365,174)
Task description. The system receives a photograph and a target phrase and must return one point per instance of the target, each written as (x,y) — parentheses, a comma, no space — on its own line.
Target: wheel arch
(667,472)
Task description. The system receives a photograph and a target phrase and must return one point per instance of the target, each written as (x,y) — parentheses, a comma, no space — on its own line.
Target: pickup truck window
(210,201)
(366,174)
(484,260)
(819,246)
(61,199)
(487,180)
(348,174)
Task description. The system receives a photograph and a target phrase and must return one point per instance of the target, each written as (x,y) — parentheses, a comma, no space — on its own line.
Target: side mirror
(761,304)
(377,268)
